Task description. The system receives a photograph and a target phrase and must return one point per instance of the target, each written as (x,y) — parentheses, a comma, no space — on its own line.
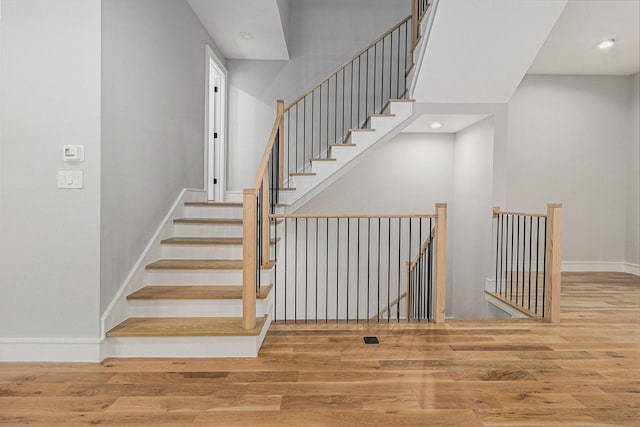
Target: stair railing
(528,258)
(307,128)
(258,202)
(351,267)
(345,99)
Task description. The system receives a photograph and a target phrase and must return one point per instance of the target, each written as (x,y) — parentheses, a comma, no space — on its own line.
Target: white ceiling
(571,47)
(479,51)
(226,19)
(451,123)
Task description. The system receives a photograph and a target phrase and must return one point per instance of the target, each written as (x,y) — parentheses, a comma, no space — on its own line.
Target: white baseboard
(601,266)
(116,312)
(51,349)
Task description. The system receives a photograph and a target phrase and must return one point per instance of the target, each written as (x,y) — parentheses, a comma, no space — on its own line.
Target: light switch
(73,153)
(70,179)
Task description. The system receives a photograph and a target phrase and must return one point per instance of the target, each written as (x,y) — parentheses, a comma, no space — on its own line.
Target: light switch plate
(73,153)
(70,179)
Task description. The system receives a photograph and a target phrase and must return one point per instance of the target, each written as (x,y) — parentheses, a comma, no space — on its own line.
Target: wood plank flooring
(584,371)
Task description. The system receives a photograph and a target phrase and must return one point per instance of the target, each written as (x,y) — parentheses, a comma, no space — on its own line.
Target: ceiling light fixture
(607,44)
(436,125)
(245,36)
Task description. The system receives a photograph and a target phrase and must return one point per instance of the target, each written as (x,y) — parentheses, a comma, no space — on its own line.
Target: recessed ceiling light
(245,36)
(436,125)
(607,44)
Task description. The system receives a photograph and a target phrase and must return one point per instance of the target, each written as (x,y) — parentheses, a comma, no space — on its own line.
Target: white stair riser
(402,109)
(188,347)
(199,277)
(204,251)
(183,347)
(207,230)
(192,308)
(213,212)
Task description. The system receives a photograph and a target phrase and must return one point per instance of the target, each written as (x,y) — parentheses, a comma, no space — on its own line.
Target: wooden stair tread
(184,327)
(382,115)
(234,221)
(302,174)
(220,204)
(211,221)
(322,159)
(171,292)
(200,264)
(207,241)
(360,130)
(341,145)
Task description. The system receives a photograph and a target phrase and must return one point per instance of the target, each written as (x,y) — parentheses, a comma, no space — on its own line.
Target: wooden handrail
(496,211)
(264,163)
(282,216)
(388,307)
(424,247)
(353,58)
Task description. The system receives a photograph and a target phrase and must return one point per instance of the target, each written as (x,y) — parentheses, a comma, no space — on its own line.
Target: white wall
(632,235)
(49,238)
(153,62)
(322,36)
(569,142)
(470,226)
(407,175)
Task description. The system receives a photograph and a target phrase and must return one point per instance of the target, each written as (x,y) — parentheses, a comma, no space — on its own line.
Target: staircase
(191,301)
(195,298)
(322,171)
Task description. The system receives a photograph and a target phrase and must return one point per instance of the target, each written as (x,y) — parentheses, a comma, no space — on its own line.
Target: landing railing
(527,261)
(352,267)
(308,127)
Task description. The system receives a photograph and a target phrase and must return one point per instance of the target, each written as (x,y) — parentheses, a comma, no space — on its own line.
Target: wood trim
(341,67)
(554,261)
(280,117)
(387,308)
(302,174)
(249,272)
(513,305)
(422,249)
(280,216)
(519,213)
(441,263)
(262,168)
(322,159)
(414,24)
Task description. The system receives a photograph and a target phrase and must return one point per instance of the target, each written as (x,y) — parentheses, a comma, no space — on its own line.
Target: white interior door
(215,149)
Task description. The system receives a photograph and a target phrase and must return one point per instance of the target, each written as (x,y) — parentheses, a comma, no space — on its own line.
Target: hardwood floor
(584,371)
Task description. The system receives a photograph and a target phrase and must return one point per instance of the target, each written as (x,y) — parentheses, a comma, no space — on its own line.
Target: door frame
(215,159)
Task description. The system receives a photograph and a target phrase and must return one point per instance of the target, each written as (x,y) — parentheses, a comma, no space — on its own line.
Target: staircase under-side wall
(191,301)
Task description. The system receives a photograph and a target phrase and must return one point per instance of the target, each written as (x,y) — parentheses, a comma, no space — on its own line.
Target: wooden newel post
(249,242)
(439,295)
(266,229)
(280,113)
(554,261)
(496,211)
(414,24)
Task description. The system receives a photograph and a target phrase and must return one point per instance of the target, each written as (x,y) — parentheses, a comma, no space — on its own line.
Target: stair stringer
(330,172)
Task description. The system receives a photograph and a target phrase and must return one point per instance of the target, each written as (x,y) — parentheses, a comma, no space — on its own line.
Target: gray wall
(49,238)
(471,219)
(632,243)
(569,140)
(153,83)
(322,35)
